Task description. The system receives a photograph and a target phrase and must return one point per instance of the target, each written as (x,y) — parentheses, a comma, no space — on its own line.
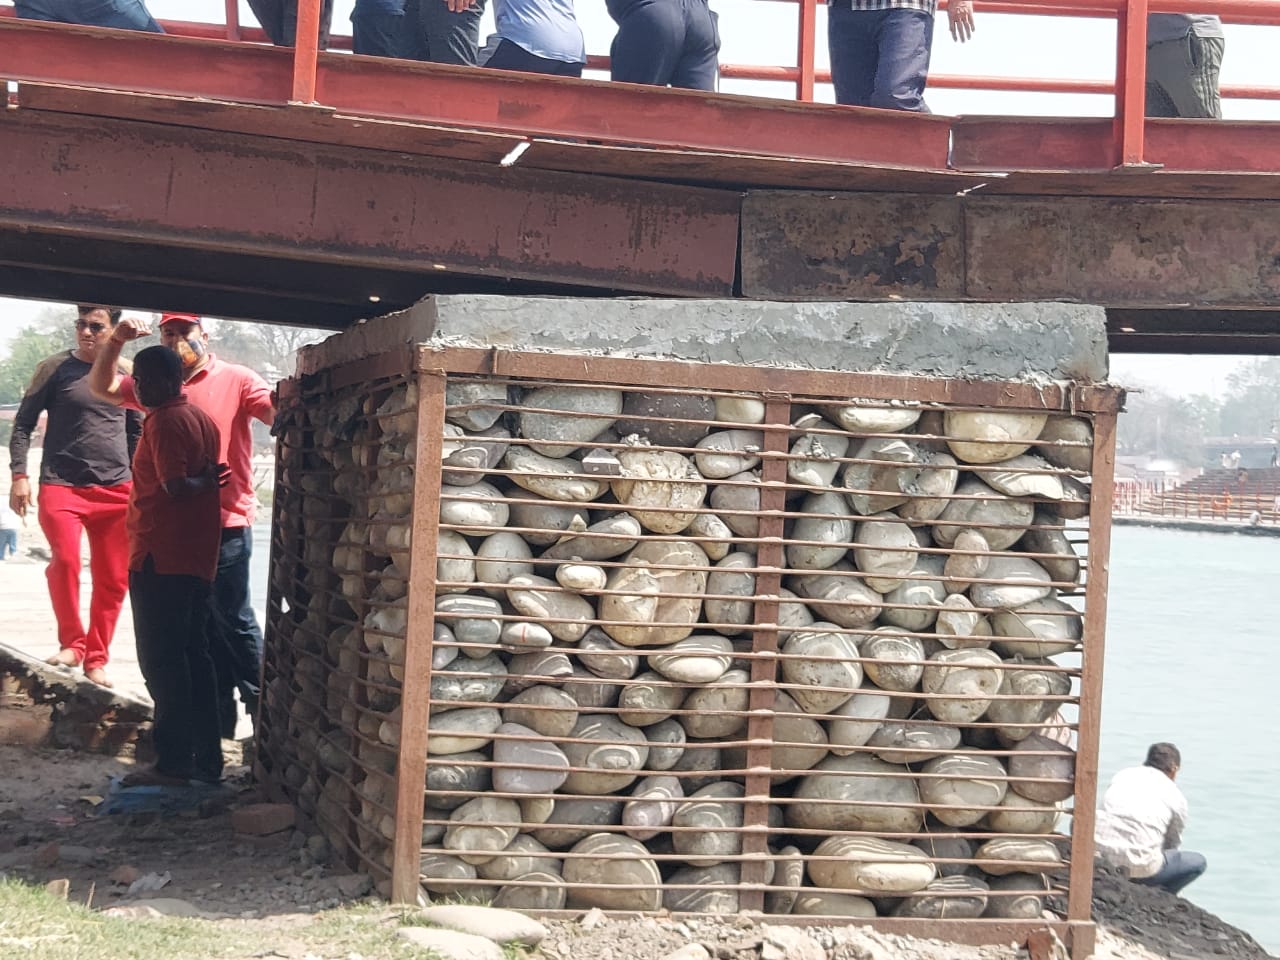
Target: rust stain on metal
(1124,252)
(851,246)
(363,207)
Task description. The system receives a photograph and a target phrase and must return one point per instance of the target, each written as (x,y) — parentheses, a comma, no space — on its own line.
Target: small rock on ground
(452,945)
(158,907)
(694,951)
(498,925)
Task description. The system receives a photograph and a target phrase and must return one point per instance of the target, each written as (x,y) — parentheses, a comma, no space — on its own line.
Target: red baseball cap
(180,318)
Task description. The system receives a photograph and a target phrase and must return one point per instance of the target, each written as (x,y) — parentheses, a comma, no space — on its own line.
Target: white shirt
(1143,814)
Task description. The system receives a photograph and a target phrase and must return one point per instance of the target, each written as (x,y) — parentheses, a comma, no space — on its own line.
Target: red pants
(66,512)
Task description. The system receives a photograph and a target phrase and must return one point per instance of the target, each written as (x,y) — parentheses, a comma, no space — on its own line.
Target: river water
(1190,660)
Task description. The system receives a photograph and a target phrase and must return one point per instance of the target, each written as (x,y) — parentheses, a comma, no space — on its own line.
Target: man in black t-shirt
(84,488)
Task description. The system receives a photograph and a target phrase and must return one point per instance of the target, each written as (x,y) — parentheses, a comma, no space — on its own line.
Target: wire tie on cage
(601,463)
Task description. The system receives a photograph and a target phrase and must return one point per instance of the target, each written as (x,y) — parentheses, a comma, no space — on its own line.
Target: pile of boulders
(600,571)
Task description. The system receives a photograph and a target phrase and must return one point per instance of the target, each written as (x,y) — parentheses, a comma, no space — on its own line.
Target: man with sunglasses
(233,396)
(84,489)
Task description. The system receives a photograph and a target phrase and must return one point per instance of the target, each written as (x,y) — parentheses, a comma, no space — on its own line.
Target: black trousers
(666,43)
(512,56)
(279,18)
(169,622)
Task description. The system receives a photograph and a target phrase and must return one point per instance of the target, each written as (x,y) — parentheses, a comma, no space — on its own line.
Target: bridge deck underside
(190,185)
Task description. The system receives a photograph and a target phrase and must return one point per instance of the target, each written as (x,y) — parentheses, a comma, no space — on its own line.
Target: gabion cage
(566,631)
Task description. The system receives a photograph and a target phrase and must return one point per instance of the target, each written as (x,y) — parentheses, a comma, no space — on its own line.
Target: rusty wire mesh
(695,649)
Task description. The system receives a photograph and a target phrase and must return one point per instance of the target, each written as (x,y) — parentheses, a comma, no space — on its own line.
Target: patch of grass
(35,924)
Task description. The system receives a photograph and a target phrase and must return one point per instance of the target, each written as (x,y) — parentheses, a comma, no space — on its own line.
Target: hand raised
(130,328)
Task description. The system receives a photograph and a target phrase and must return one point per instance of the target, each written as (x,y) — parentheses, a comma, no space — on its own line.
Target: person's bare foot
(64,658)
(99,676)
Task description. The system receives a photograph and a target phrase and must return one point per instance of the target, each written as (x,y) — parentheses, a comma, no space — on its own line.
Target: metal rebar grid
(703,638)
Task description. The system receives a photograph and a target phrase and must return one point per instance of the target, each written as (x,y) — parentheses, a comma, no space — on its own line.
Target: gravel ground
(49,831)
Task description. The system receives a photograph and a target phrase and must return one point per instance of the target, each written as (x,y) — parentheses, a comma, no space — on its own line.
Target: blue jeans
(120,14)
(8,544)
(666,43)
(235,640)
(1180,868)
(169,611)
(879,58)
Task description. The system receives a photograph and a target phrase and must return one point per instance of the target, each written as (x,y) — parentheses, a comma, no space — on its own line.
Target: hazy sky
(764,32)
(1177,375)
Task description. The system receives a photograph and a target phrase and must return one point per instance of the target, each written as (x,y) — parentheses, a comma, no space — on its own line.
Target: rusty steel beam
(1088,144)
(1194,331)
(1115,252)
(251,196)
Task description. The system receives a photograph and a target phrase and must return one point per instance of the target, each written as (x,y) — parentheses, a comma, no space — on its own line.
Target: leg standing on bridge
(445,31)
(538,36)
(664,43)
(1184,55)
(381,28)
(880,49)
(279,18)
(120,14)
(234,396)
(84,489)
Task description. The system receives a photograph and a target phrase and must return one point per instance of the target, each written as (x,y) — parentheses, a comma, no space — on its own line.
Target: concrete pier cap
(1037,342)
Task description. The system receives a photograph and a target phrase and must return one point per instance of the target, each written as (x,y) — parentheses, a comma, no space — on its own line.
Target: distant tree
(1159,425)
(50,332)
(1252,407)
(268,348)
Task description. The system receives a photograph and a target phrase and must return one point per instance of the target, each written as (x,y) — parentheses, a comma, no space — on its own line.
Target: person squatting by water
(173,556)
(1184,57)
(84,489)
(1141,822)
(880,49)
(234,396)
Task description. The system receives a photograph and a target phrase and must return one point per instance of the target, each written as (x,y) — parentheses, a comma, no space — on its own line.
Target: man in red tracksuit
(84,489)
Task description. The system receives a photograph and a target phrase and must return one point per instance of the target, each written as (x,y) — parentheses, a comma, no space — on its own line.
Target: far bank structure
(703,606)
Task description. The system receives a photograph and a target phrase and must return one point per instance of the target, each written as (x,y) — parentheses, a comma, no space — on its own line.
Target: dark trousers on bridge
(120,14)
(279,18)
(879,58)
(235,640)
(666,43)
(445,37)
(512,56)
(170,612)
(378,33)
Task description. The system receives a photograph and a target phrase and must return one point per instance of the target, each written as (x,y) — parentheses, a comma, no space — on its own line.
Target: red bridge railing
(1128,85)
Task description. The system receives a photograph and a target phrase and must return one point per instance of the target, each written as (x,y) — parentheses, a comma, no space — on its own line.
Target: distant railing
(1128,86)
(1257,508)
